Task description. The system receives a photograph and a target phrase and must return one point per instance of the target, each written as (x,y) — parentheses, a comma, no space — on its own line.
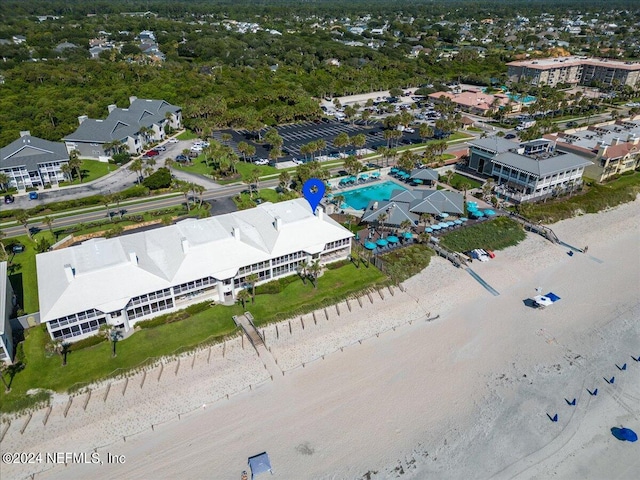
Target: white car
(173,140)
(261,161)
(409,130)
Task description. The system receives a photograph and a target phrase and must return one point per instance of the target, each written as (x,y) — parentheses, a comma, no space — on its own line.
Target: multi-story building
(529,171)
(574,70)
(613,147)
(7,306)
(121,281)
(143,122)
(33,162)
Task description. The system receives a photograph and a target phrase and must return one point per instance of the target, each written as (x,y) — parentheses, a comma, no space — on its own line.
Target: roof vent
(278,223)
(69,272)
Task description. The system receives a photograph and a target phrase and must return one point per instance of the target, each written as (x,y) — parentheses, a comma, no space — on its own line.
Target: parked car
(509,136)
(182,158)
(9,199)
(151,153)
(17,248)
(173,140)
(161,148)
(572,124)
(409,130)
(33,195)
(261,161)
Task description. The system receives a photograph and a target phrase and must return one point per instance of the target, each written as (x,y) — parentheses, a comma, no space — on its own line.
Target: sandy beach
(442,380)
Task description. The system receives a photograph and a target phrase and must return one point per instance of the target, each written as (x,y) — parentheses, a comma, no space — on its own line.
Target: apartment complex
(121,281)
(32,162)
(529,171)
(613,147)
(143,122)
(574,71)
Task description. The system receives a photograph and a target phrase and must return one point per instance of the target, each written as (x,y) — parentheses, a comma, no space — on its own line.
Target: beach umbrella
(393,239)
(370,245)
(458,222)
(472,204)
(472,208)
(477,213)
(443,224)
(375,174)
(428,230)
(417,180)
(394,170)
(624,434)
(435,227)
(407,235)
(330,196)
(443,215)
(382,242)
(450,224)
(464,219)
(489,213)
(364,176)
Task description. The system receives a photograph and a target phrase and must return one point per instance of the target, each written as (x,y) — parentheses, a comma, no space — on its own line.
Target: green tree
(115,335)
(243,297)
(314,270)
(48,221)
(75,163)
(284,180)
(359,141)
(352,165)
(252,279)
(22,217)
(341,141)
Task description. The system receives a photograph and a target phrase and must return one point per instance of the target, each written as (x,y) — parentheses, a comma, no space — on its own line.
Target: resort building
(529,171)
(410,204)
(32,162)
(132,128)
(7,306)
(574,71)
(613,147)
(476,102)
(124,280)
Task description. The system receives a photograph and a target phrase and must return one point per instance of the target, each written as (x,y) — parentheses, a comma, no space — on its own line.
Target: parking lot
(295,136)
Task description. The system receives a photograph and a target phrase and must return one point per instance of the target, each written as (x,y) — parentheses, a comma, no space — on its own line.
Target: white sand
(465,395)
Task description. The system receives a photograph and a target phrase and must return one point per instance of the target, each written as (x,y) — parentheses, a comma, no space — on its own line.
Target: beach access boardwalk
(253,334)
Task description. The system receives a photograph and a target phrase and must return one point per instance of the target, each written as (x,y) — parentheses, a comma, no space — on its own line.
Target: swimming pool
(518,98)
(359,198)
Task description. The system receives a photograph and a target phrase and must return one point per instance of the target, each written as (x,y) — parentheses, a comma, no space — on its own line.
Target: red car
(152,153)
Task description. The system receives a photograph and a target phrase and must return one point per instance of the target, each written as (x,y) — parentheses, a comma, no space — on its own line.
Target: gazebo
(425,174)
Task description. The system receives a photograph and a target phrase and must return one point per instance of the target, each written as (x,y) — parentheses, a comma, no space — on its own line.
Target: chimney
(112,107)
(236,233)
(132,99)
(69,272)
(133,258)
(25,133)
(185,245)
(616,141)
(278,223)
(602,148)
(81,119)
(319,213)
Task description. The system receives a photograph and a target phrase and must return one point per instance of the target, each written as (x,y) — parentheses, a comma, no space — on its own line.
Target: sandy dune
(383,390)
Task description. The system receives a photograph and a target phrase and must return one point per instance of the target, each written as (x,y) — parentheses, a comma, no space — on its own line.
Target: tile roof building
(124,280)
(574,70)
(93,137)
(477,102)
(32,162)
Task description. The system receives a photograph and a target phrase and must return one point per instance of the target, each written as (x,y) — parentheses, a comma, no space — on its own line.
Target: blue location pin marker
(313,190)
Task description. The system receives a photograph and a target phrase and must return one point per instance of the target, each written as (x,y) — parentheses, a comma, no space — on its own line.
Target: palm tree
(302,270)
(185,188)
(487,188)
(382,217)
(48,221)
(359,141)
(406,225)
(465,187)
(254,178)
(252,279)
(106,201)
(450,175)
(243,297)
(284,180)
(169,163)
(242,148)
(314,269)
(114,335)
(4,181)
(136,167)
(198,190)
(75,163)
(226,138)
(23,217)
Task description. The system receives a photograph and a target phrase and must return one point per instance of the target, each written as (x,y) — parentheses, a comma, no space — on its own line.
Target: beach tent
(260,464)
(545,300)
(624,434)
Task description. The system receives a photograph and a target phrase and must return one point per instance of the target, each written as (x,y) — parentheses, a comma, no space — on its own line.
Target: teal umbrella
(382,242)
(393,239)
(394,170)
(429,230)
(370,246)
(407,235)
(417,180)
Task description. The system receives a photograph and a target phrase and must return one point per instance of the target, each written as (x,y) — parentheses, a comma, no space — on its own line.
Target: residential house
(121,281)
(32,162)
(94,138)
(7,307)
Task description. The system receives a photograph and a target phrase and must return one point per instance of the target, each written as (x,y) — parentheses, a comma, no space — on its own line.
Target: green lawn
(457,180)
(90,364)
(593,199)
(244,200)
(243,168)
(187,135)
(91,170)
(496,234)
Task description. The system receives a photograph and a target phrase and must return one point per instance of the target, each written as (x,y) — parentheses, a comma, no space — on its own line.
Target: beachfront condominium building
(613,147)
(129,128)
(121,281)
(574,71)
(31,162)
(530,171)
(7,307)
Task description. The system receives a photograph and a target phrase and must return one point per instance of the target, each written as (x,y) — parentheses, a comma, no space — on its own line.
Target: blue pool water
(359,198)
(517,98)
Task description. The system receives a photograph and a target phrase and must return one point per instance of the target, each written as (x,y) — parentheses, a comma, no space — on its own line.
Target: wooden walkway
(257,341)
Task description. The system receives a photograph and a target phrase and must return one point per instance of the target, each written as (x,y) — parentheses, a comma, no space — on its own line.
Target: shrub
(197,308)
(159,179)
(120,158)
(87,342)
(336,265)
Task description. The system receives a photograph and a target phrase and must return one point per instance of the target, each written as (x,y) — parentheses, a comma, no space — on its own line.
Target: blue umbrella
(394,170)
(464,219)
(370,245)
(624,434)
(458,222)
(393,239)
(443,215)
(382,242)
(428,230)
(450,224)
(407,235)
(417,180)
(477,213)
(443,225)
(330,196)
(375,174)
(489,212)
(472,204)
(364,175)
(435,227)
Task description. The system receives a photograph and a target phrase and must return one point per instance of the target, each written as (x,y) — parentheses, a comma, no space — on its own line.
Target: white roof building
(135,277)
(7,306)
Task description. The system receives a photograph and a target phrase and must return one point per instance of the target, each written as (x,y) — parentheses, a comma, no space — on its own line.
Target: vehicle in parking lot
(182,158)
(297,161)
(33,195)
(173,140)
(9,199)
(17,248)
(409,130)
(161,148)
(151,153)
(510,136)
(261,161)
(572,124)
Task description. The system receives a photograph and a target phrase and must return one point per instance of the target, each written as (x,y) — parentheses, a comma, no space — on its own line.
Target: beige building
(574,70)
